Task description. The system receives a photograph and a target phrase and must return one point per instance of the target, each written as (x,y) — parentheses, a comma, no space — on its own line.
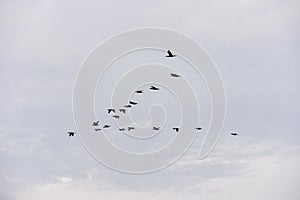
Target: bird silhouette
(116,116)
(153,88)
(132,103)
(234,134)
(176,129)
(130,128)
(170,55)
(139,91)
(155,128)
(71,134)
(121,129)
(122,110)
(96,123)
(198,128)
(97,129)
(127,106)
(175,75)
(106,126)
(111,110)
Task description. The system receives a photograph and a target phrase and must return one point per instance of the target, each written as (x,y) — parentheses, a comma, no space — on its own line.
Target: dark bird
(71,134)
(234,134)
(198,128)
(130,128)
(106,126)
(170,55)
(122,110)
(155,128)
(97,129)
(153,88)
(116,116)
(133,103)
(139,91)
(121,129)
(176,129)
(111,110)
(175,75)
(127,106)
(96,123)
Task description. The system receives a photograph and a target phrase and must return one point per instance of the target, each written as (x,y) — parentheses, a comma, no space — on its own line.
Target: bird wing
(175,75)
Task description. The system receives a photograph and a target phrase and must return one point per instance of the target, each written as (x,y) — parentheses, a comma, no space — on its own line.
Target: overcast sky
(255,45)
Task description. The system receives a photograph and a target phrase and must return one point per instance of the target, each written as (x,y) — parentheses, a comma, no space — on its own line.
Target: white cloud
(253,42)
(268,176)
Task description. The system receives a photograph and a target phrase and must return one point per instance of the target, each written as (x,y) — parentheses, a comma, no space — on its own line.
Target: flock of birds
(133,103)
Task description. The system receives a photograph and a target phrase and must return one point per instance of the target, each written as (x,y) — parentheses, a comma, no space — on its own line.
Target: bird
(111,110)
(130,128)
(106,126)
(133,103)
(170,55)
(176,129)
(127,106)
(155,128)
(122,110)
(234,134)
(198,128)
(121,129)
(71,134)
(96,123)
(139,91)
(116,116)
(97,129)
(153,88)
(175,75)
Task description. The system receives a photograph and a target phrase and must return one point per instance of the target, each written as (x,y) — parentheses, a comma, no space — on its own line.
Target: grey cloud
(254,43)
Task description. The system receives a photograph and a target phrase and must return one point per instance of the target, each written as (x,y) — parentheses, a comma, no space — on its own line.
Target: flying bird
(175,75)
(122,110)
(111,110)
(106,126)
(116,116)
(96,123)
(198,128)
(155,128)
(127,106)
(234,134)
(97,129)
(170,55)
(176,129)
(153,88)
(121,129)
(132,103)
(71,134)
(139,91)
(130,128)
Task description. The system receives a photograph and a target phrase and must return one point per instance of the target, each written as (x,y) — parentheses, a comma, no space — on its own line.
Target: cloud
(251,177)
(255,44)
(231,22)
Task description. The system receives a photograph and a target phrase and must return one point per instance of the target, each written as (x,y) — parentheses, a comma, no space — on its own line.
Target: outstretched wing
(175,75)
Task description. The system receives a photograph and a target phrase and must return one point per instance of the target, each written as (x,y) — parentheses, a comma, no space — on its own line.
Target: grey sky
(255,45)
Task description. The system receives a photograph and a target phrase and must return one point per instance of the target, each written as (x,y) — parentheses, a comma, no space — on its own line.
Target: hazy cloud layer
(255,45)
